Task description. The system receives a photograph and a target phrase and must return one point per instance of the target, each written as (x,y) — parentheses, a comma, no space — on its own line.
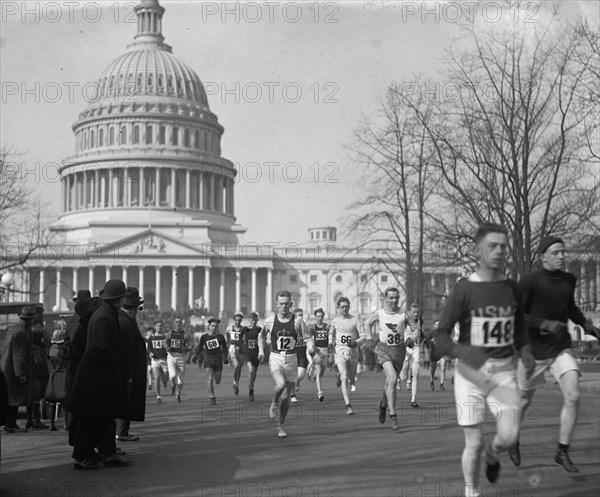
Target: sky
(289,81)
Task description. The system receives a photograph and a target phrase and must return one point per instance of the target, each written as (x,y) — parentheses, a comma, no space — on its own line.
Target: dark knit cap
(546,242)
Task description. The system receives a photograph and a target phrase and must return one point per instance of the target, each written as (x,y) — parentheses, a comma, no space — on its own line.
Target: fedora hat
(132,297)
(28,312)
(82,296)
(113,289)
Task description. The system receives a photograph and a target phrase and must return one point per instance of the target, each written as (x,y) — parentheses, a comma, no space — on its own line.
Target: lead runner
(488,309)
(282,331)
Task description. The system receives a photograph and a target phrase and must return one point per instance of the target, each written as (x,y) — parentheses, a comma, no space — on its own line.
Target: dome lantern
(149,14)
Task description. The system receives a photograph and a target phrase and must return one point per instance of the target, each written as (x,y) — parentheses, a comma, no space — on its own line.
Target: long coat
(134,364)
(16,361)
(98,389)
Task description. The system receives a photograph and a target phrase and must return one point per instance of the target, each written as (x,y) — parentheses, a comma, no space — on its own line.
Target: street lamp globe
(8,279)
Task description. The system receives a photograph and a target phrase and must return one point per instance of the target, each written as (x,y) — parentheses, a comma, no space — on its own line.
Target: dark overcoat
(134,357)
(16,361)
(98,389)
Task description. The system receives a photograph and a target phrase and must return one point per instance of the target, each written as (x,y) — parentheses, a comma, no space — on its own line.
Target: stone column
(142,197)
(91,280)
(327,292)
(212,198)
(238,289)
(124,278)
(201,190)
(207,287)
(269,292)
(96,188)
(75,192)
(157,184)
(254,306)
(58,286)
(107,273)
(191,287)
(75,279)
(141,281)
(174,287)
(111,200)
(188,189)
(173,188)
(157,287)
(222,290)
(42,285)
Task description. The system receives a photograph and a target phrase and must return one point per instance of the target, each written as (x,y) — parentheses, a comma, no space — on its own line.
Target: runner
(158,358)
(488,308)
(211,354)
(413,336)
(390,349)
(548,301)
(320,334)
(282,331)
(177,345)
(303,360)
(346,334)
(249,348)
(434,364)
(233,346)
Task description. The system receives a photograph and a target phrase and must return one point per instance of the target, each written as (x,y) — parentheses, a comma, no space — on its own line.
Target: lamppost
(7,280)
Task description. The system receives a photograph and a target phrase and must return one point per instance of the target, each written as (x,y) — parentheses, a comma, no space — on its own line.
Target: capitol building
(148,197)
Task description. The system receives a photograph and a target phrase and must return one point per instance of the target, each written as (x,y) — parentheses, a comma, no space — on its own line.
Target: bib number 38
(492,332)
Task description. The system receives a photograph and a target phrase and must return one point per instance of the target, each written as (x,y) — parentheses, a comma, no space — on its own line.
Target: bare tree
(25,218)
(509,146)
(396,155)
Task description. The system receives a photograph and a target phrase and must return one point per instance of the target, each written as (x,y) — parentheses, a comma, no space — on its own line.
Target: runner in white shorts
(320,335)
(413,336)
(158,358)
(490,315)
(346,334)
(282,331)
(390,349)
(232,334)
(177,347)
(548,300)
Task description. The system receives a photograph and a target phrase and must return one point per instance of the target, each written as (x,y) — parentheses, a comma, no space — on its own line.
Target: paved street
(194,449)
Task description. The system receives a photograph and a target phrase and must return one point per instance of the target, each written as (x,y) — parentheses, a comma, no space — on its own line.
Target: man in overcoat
(98,394)
(134,363)
(16,366)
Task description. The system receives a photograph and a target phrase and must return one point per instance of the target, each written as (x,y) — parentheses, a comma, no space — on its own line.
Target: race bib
(492,332)
(286,343)
(175,343)
(321,335)
(252,344)
(212,344)
(390,335)
(345,339)
(157,344)
(235,335)
(300,342)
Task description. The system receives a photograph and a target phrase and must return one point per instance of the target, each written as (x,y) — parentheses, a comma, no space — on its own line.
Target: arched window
(136,134)
(111,136)
(101,137)
(162,131)
(149,134)
(197,139)
(92,139)
(175,136)
(186,138)
(85,140)
(123,136)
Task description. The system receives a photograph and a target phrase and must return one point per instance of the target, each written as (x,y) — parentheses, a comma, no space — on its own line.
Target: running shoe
(562,458)
(272,411)
(321,396)
(213,401)
(236,389)
(394,420)
(293,400)
(251,395)
(349,410)
(281,432)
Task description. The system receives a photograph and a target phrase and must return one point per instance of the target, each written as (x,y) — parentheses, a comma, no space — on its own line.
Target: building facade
(147,197)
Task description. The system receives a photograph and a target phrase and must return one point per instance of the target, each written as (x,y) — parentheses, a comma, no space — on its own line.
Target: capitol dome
(148,150)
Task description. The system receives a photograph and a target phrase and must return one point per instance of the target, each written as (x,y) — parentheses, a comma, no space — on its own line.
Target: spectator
(16,366)
(98,393)
(58,359)
(39,378)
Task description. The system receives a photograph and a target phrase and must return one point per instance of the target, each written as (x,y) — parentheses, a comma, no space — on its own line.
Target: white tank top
(390,328)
